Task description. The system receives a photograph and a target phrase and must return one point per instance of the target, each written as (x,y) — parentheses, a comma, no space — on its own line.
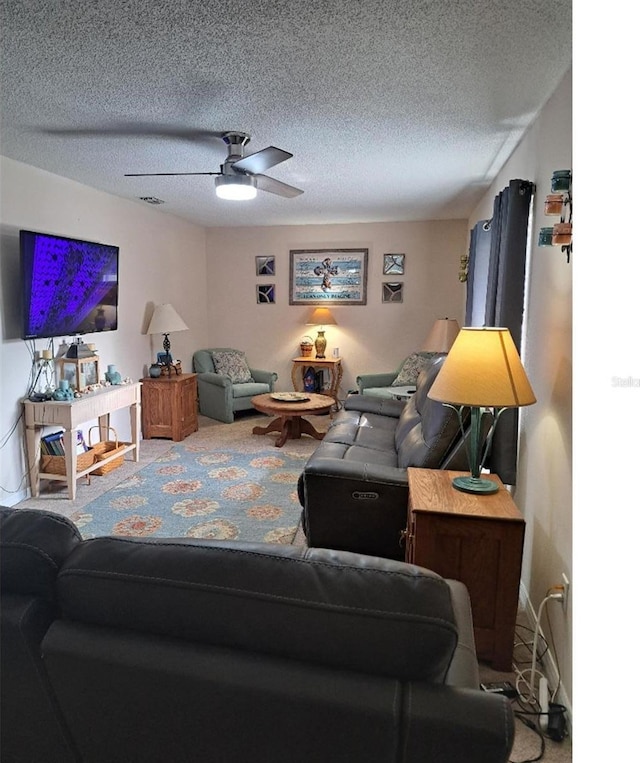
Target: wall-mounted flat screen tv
(69,286)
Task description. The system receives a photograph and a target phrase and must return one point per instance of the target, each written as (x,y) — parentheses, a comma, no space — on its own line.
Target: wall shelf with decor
(559,203)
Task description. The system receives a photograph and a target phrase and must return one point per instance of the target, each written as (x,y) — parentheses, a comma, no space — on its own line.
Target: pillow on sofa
(408,374)
(233,364)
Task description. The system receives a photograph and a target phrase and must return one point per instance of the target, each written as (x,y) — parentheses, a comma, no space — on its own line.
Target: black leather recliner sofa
(121,649)
(354,488)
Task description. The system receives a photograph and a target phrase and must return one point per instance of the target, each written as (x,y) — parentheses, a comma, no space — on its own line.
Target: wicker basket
(106,448)
(58,465)
(306,347)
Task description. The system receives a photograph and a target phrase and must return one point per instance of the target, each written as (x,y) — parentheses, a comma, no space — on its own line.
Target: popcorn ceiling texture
(392,110)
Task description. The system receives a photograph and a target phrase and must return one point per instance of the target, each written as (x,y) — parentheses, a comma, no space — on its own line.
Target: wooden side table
(477,539)
(289,421)
(334,365)
(169,406)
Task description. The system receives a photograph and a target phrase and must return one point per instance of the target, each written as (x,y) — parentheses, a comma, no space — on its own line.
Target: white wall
(162,259)
(544,490)
(372,337)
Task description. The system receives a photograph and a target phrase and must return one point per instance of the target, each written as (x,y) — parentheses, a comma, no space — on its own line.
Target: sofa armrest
(219,380)
(354,506)
(382,406)
(265,377)
(463,670)
(375,380)
(455,724)
(215,396)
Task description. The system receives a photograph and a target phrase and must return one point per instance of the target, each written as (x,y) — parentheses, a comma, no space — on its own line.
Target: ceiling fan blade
(265,183)
(262,160)
(165,174)
(132,130)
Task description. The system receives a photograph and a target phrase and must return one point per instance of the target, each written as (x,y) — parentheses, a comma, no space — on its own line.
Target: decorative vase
(112,376)
(561,181)
(64,392)
(321,344)
(155,370)
(561,235)
(554,204)
(545,237)
(100,320)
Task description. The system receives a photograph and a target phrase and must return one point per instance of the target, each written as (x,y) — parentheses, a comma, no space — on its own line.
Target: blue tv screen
(69,286)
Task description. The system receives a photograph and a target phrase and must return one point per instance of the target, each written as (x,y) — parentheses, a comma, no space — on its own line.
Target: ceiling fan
(240,176)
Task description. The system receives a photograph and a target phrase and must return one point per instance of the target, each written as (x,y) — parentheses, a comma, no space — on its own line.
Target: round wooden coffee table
(289,421)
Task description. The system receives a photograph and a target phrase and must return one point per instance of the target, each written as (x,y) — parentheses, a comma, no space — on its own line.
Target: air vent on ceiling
(151,200)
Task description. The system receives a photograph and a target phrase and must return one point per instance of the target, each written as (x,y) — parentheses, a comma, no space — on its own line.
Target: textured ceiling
(393,110)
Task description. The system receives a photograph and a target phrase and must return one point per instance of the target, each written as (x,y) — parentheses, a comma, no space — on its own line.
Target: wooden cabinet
(477,539)
(169,406)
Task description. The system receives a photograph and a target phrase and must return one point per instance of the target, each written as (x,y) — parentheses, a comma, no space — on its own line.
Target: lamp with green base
(482,372)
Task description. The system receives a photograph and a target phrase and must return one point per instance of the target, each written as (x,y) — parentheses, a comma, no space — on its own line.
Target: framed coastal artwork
(328,276)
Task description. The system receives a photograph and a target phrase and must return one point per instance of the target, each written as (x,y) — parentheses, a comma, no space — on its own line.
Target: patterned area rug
(221,482)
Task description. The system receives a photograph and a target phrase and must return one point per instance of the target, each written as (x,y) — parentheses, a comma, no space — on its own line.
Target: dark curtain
(495,296)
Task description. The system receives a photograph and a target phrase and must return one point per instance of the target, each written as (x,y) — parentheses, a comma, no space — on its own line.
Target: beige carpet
(53,497)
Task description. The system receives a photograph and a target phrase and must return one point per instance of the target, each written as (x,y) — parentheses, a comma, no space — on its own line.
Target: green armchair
(403,380)
(226,382)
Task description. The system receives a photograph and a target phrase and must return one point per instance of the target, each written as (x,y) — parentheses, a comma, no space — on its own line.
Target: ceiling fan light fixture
(236,187)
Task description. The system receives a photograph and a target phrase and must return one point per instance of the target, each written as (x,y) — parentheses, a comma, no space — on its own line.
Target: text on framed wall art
(328,276)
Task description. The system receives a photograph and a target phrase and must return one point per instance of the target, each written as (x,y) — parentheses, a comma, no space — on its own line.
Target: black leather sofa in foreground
(118,650)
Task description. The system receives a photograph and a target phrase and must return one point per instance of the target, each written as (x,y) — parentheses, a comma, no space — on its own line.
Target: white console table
(70,415)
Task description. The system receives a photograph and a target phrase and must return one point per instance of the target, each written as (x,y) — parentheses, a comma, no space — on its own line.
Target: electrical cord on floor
(549,724)
(520,671)
(527,645)
(531,725)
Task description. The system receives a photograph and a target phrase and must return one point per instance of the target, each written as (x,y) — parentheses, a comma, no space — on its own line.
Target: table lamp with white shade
(165,320)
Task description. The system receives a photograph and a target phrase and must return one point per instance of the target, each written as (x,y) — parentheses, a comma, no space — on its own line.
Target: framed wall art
(392,292)
(393,264)
(265,266)
(266,294)
(328,276)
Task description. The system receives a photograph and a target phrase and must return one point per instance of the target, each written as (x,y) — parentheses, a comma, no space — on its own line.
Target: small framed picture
(393,265)
(266,294)
(392,292)
(265,266)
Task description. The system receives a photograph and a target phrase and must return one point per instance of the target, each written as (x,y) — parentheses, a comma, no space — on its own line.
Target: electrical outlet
(565,598)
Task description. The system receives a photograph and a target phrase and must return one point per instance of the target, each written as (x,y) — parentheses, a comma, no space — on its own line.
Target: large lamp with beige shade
(321,317)
(442,335)
(483,372)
